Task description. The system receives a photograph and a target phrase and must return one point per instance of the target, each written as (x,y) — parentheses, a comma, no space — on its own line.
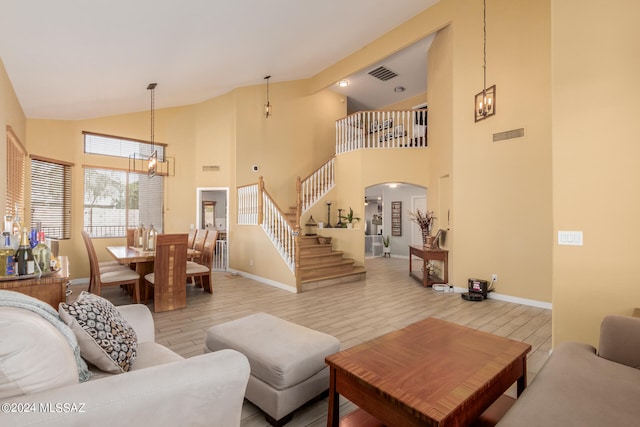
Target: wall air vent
(382,73)
(210,168)
(508,134)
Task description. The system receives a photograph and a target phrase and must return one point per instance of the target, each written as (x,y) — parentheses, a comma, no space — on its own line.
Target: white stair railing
(279,231)
(316,185)
(248,205)
(381,129)
(256,207)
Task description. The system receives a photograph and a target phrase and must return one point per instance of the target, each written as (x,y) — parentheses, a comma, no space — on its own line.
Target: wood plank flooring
(353,312)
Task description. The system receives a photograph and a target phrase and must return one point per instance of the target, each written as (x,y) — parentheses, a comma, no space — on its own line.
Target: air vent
(508,134)
(210,168)
(383,74)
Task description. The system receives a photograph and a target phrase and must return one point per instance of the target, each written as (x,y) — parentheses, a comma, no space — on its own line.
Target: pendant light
(267,106)
(152,166)
(485,101)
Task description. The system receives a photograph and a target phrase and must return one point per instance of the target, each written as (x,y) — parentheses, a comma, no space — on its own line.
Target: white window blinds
(51,197)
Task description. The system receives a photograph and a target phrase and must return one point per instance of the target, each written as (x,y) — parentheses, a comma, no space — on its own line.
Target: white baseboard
(264,280)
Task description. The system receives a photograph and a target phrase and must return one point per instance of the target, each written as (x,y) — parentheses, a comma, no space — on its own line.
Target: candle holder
(339,224)
(328,224)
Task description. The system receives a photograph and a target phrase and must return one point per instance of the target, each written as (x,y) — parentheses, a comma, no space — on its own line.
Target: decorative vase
(427,240)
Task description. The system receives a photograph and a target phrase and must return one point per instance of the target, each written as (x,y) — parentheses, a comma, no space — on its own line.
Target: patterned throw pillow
(104,336)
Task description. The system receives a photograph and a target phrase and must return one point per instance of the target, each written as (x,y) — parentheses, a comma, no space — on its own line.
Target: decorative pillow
(104,336)
(34,355)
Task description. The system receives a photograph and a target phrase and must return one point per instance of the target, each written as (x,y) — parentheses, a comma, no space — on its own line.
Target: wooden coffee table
(432,373)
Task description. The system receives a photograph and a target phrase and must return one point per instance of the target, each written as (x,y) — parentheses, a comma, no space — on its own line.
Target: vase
(427,240)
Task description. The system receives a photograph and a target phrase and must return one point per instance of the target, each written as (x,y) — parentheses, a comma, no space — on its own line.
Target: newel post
(260,202)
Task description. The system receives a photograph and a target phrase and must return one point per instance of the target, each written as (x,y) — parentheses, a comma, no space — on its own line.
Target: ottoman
(287,361)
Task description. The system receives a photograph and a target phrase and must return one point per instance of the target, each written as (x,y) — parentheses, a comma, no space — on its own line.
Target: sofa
(582,386)
(40,380)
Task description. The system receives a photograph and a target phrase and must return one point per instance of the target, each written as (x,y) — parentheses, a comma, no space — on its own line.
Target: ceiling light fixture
(152,165)
(485,101)
(343,83)
(267,106)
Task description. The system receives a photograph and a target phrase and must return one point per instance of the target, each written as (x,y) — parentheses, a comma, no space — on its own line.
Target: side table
(429,255)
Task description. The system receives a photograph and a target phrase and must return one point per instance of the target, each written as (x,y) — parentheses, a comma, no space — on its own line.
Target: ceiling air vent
(382,73)
(210,168)
(508,134)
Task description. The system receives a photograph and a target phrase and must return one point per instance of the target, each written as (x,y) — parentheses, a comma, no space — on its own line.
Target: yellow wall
(596,163)
(11,114)
(500,193)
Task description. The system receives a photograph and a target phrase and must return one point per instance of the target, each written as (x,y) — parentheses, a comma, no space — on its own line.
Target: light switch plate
(570,238)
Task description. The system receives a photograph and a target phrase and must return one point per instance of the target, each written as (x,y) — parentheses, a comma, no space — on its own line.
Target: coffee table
(432,372)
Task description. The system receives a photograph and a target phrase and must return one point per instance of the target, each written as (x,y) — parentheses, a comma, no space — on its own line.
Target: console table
(429,255)
(51,289)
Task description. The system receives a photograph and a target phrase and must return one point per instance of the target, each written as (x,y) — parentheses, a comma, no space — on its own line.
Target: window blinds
(51,198)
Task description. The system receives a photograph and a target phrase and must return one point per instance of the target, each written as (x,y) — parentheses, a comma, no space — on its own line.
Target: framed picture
(387,123)
(396,218)
(373,126)
(399,132)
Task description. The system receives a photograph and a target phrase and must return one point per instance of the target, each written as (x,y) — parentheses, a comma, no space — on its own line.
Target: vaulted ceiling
(71,59)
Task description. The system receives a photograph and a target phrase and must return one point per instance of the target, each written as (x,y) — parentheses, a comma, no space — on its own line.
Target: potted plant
(386,248)
(425,221)
(349,218)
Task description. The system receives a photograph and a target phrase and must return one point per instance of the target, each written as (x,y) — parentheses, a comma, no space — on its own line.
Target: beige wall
(500,193)
(596,166)
(11,114)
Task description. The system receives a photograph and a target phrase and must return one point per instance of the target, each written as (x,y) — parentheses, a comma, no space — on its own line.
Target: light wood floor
(355,312)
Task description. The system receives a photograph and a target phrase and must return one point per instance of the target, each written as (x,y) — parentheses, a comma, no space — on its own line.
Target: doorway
(387,216)
(212,213)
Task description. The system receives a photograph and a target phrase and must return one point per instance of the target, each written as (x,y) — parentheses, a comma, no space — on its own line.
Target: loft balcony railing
(381,129)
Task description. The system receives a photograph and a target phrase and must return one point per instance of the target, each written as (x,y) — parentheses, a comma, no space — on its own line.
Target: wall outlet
(494,277)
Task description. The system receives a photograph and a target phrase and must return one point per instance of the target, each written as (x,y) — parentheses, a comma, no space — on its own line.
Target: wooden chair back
(209,248)
(93,259)
(192,237)
(170,272)
(130,235)
(198,243)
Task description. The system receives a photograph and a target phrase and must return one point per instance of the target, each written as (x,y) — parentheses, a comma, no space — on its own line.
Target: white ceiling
(70,59)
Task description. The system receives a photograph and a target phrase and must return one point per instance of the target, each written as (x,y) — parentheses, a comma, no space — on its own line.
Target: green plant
(386,240)
(349,218)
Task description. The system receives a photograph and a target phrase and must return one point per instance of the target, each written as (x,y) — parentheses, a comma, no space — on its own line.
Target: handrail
(382,129)
(315,186)
(257,207)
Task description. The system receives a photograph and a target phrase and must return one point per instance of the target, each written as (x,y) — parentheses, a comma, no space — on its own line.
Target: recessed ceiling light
(398,89)
(343,83)
(393,185)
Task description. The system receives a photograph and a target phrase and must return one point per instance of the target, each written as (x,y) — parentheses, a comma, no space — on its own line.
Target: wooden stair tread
(329,276)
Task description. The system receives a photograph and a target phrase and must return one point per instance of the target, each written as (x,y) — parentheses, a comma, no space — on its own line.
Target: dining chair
(192,237)
(108,276)
(104,266)
(198,243)
(168,279)
(201,270)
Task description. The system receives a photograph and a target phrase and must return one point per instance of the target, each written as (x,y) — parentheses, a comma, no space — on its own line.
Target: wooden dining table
(140,260)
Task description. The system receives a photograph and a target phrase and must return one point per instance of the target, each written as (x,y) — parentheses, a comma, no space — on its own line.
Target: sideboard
(51,289)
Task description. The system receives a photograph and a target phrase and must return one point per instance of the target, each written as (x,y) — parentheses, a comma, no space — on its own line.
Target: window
(107,145)
(115,200)
(16,158)
(51,197)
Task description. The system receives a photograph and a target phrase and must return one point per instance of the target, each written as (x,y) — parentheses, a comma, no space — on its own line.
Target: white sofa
(161,389)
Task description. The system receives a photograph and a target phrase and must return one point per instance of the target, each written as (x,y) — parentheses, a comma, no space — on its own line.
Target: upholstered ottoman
(287,361)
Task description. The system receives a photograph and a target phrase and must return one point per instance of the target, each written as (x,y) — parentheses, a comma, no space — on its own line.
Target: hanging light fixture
(485,101)
(267,106)
(152,166)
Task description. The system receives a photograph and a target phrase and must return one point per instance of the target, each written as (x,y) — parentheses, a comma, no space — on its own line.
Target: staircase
(321,266)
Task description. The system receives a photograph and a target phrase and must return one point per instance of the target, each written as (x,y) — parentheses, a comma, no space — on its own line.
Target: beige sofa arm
(140,318)
(203,390)
(620,340)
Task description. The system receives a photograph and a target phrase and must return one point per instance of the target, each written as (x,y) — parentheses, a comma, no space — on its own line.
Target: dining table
(140,260)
